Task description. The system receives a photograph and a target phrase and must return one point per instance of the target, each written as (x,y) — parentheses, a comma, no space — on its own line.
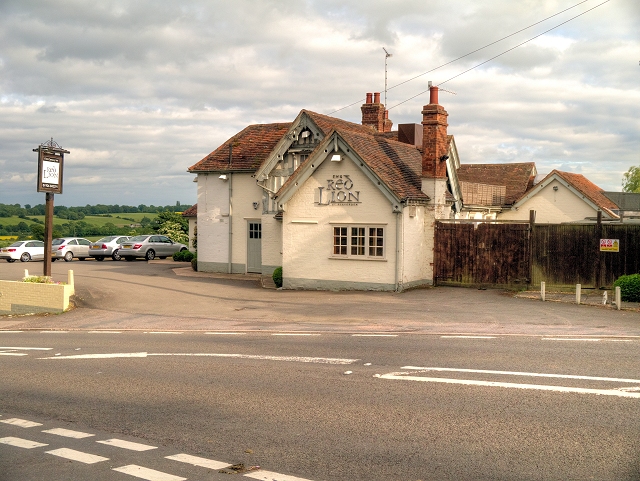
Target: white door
(254,247)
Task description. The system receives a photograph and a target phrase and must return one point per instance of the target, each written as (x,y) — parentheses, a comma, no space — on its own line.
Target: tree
(631,180)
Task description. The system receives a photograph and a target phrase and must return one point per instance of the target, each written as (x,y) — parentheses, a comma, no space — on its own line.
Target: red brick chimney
(434,139)
(374,114)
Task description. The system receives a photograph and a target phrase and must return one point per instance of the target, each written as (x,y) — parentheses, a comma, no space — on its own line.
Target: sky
(138,91)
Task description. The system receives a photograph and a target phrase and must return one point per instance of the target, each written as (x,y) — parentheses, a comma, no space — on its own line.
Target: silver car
(107,247)
(150,247)
(69,247)
(23,250)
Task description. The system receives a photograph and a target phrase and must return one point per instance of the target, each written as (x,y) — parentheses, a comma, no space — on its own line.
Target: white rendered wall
(308,233)
(552,207)
(193,221)
(417,247)
(271,243)
(213,219)
(245,193)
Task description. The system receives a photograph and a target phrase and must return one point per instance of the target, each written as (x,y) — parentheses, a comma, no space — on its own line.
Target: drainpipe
(397,250)
(230,220)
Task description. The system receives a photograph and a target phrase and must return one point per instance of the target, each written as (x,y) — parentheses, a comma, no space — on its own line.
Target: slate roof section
(191,211)
(251,147)
(625,200)
(588,189)
(516,177)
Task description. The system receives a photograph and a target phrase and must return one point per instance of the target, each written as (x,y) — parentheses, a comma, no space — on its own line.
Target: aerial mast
(386,56)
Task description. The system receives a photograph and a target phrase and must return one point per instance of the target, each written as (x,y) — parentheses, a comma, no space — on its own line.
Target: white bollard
(618,298)
(605,298)
(543,290)
(70,281)
(26,272)
(578,293)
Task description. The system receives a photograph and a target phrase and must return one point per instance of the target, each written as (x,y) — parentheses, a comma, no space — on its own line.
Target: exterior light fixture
(255,206)
(223,177)
(336,158)
(555,188)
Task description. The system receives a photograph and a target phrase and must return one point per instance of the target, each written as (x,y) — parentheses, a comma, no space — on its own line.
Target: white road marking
(568,339)
(374,335)
(226,333)
(79,456)
(467,337)
(148,474)
(21,443)
(163,332)
(23,423)
(121,443)
(294,334)
(27,348)
(10,332)
(196,461)
(9,353)
(105,332)
(271,476)
(317,360)
(54,332)
(540,387)
(530,374)
(68,433)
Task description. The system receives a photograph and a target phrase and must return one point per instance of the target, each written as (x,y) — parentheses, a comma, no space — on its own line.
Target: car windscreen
(57,242)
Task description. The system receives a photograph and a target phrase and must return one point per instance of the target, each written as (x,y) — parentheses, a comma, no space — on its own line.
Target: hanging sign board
(610,245)
(50,171)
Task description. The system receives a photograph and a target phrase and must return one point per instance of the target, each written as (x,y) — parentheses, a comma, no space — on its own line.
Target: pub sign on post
(50,168)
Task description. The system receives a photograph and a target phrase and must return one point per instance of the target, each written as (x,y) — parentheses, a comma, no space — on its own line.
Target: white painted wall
(308,230)
(271,241)
(193,221)
(213,219)
(552,207)
(245,193)
(417,251)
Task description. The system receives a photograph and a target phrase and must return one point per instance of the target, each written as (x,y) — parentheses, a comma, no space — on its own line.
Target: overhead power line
(502,53)
(467,54)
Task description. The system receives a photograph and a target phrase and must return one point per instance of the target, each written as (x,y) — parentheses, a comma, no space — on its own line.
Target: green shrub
(183,256)
(40,280)
(194,263)
(629,287)
(277,277)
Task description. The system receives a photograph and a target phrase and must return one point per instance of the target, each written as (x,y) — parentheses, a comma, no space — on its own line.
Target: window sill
(357,258)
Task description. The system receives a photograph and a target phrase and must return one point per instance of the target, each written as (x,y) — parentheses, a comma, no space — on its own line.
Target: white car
(69,247)
(24,250)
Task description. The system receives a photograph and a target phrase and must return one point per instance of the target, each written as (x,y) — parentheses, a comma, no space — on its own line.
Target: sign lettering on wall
(339,190)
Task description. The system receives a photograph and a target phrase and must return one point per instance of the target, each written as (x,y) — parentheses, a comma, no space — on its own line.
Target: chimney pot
(433,95)
(369,98)
(376,98)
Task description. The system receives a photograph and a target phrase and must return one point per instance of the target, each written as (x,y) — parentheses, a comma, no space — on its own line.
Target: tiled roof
(191,211)
(251,147)
(327,123)
(516,177)
(398,165)
(588,188)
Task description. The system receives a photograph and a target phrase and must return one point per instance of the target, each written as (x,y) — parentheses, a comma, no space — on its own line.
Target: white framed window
(358,242)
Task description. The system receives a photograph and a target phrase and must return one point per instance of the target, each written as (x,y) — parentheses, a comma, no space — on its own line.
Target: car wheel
(115,256)
(11,260)
(150,255)
(99,258)
(162,257)
(53,259)
(82,258)
(128,258)
(68,256)
(25,257)
(183,249)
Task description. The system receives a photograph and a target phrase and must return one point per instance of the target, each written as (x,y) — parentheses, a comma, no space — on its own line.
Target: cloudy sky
(140,90)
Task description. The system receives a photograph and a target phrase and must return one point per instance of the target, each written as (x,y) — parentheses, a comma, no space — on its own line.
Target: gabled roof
(394,163)
(250,148)
(327,123)
(191,211)
(594,193)
(516,177)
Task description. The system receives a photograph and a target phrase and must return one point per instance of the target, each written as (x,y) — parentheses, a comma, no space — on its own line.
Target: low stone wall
(17,297)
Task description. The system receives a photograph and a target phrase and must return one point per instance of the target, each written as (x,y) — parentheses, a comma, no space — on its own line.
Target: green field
(117,219)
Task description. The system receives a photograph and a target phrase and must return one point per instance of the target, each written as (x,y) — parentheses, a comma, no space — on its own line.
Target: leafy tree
(37,231)
(631,180)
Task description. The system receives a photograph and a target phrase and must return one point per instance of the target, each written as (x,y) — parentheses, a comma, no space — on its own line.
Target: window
(255,231)
(363,242)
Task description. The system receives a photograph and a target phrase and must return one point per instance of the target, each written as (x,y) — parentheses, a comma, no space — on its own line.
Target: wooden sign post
(50,168)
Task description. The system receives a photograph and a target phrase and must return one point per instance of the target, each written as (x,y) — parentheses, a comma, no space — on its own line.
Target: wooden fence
(508,254)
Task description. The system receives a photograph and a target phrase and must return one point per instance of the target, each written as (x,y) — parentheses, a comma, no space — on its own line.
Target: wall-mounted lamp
(336,158)
(555,188)
(255,205)
(443,158)
(223,177)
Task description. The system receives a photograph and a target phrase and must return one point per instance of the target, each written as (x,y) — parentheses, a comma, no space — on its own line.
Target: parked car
(24,250)
(150,247)
(107,246)
(69,247)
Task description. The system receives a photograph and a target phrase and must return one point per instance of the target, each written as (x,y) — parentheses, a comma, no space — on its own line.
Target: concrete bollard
(70,281)
(618,298)
(578,293)
(543,290)
(605,298)
(26,273)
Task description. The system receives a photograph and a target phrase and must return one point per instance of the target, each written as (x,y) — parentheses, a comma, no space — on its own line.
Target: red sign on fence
(610,245)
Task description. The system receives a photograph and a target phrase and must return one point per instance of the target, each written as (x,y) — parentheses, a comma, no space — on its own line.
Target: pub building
(337,204)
